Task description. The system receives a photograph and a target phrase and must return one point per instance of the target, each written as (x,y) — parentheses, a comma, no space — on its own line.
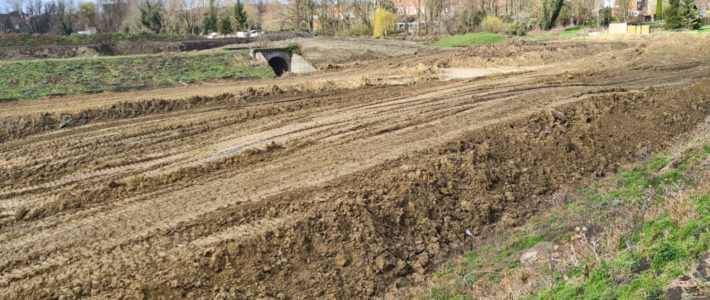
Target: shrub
(383,23)
(359,30)
(294,48)
(667,252)
(517,29)
(494,25)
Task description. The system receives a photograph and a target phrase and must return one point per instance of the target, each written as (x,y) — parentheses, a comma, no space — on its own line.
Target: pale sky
(5,5)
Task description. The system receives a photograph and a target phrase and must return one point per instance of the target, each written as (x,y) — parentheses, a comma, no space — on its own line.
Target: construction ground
(350,182)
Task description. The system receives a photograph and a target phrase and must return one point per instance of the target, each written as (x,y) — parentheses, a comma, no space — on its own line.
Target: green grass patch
(661,242)
(469,39)
(705,29)
(35,79)
(569,32)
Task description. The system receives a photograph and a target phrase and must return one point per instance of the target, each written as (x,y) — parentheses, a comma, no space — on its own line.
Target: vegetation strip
(636,235)
(25,80)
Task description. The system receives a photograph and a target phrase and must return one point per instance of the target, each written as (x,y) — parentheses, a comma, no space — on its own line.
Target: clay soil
(352,182)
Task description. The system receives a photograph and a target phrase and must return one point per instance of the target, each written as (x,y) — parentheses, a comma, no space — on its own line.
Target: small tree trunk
(419,17)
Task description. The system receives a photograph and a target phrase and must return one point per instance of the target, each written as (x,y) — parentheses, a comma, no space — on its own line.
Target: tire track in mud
(435,117)
(180,156)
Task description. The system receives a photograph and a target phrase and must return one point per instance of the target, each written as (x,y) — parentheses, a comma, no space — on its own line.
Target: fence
(623,28)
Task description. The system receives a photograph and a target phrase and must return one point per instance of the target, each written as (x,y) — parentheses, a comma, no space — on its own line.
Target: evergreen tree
(689,15)
(210,20)
(240,16)
(672,15)
(151,17)
(225,26)
(659,9)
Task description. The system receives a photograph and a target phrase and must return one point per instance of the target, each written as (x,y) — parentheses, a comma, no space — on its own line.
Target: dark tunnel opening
(279,65)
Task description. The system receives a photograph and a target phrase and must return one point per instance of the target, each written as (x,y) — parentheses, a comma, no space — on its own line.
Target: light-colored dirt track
(176,204)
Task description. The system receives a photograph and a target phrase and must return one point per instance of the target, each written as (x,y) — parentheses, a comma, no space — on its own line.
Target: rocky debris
(420,265)
(385,262)
(64,121)
(217,260)
(556,114)
(693,285)
(538,254)
(340,260)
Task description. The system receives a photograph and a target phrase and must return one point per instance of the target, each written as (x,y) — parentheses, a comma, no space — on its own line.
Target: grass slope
(631,236)
(35,79)
(26,39)
(469,39)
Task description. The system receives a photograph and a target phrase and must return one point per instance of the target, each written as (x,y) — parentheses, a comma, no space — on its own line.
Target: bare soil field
(352,182)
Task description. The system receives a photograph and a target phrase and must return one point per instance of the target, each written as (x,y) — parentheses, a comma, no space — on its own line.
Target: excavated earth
(347,183)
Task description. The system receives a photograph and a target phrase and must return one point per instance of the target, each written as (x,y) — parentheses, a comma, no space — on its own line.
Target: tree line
(326,17)
(189,17)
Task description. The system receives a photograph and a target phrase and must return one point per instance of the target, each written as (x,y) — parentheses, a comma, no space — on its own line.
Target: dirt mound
(526,53)
(387,224)
(322,52)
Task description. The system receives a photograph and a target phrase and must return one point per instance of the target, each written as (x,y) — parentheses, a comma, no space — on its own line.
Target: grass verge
(637,235)
(35,79)
(569,32)
(469,39)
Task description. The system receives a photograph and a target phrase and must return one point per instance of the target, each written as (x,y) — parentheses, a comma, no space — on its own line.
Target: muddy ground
(351,182)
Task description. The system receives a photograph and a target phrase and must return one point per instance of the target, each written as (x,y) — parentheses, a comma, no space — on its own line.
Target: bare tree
(39,15)
(67,14)
(111,14)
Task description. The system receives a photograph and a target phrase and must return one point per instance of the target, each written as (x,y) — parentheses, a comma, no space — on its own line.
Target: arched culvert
(279,65)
